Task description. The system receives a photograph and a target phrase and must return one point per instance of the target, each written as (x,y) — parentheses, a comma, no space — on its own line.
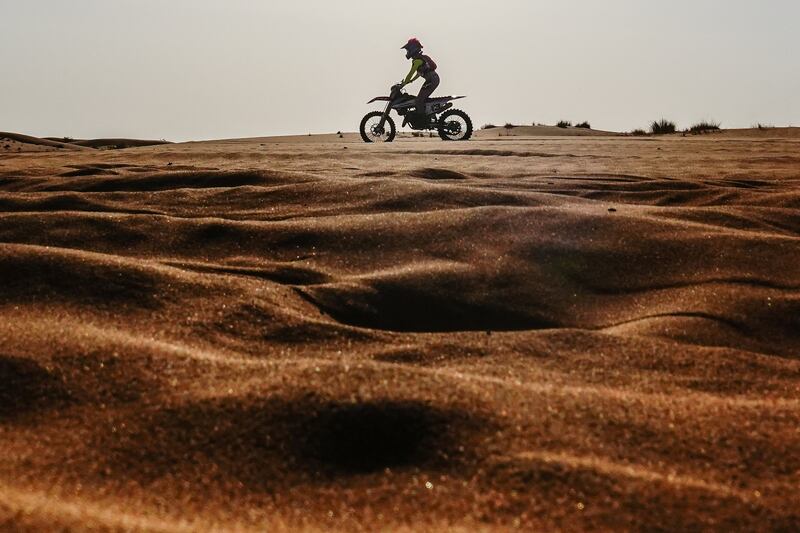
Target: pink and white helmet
(412,47)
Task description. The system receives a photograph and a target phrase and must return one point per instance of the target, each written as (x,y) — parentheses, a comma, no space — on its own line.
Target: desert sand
(310,333)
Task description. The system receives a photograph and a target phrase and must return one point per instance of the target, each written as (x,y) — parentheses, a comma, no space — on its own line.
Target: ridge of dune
(501,132)
(562,334)
(27,143)
(118,143)
(791,132)
(36,141)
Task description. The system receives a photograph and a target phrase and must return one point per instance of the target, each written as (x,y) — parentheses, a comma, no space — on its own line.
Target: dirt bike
(452,124)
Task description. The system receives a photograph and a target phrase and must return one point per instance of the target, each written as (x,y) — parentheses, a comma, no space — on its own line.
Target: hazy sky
(199,69)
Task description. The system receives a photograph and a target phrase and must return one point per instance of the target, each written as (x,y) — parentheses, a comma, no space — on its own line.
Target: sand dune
(16,142)
(313,333)
(500,132)
(118,143)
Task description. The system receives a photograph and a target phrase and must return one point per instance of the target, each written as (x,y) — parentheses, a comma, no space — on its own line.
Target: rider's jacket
(421,66)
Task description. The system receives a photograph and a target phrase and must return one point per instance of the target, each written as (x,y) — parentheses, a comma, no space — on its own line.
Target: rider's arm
(414,70)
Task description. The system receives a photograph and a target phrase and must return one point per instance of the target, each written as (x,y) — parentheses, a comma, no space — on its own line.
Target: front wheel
(372,131)
(455,125)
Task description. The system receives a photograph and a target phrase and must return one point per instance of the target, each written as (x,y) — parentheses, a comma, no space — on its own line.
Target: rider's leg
(431,83)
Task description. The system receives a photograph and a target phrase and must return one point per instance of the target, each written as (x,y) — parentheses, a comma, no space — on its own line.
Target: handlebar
(398,87)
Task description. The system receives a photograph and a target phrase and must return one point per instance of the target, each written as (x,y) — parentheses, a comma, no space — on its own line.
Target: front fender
(380,99)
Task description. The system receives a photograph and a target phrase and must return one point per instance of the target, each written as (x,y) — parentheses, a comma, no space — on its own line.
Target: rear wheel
(455,125)
(371,130)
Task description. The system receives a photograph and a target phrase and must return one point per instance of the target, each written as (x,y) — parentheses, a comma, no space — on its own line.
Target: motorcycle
(451,124)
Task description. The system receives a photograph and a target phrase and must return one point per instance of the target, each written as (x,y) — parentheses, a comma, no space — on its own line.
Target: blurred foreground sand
(543,332)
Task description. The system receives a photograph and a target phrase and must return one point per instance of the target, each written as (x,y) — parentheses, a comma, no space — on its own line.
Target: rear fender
(438,99)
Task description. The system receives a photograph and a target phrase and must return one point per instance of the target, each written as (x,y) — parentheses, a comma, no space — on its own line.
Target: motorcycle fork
(385,115)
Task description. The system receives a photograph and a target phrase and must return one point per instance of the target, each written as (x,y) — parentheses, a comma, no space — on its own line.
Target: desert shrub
(764,126)
(662,127)
(704,126)
(509,126)
(488,126)
(584,125)
(638,132)
(564,124)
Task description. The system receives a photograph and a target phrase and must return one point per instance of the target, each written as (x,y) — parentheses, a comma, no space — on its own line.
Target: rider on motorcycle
(424,67)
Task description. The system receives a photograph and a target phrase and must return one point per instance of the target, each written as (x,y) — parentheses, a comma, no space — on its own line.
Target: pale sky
(205,69)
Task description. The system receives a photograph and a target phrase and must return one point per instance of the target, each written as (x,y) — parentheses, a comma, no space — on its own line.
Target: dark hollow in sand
(26,387)
(263,444)
(367,437)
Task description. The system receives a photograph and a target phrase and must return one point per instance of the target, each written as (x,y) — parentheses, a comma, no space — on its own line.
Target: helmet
(412,47)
